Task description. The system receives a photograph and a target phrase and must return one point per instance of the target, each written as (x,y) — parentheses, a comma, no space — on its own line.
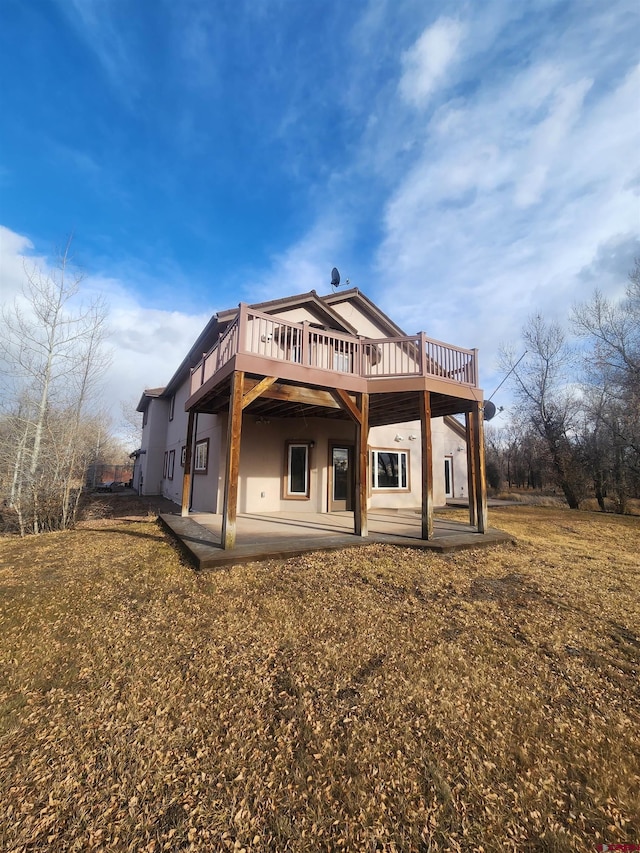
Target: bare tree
(611,369)
(130,426)
(543,385)
(52,347)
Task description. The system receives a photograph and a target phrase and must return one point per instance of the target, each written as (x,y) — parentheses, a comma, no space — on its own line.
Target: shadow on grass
(121,527)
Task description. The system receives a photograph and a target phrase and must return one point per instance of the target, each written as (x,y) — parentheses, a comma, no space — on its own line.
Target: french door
(340,477)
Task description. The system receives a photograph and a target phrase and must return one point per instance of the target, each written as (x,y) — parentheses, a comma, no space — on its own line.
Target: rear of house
(311,370)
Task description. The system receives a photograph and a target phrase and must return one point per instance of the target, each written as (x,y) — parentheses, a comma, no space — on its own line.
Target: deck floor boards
(278,535)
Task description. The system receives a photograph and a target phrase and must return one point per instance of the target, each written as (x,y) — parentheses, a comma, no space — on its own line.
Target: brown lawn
(374,699)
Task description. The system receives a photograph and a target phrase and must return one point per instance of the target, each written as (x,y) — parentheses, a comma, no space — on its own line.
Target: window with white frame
(342,360)
(389,469)
(201,457)
(297,470)
(172,407)
(171,465)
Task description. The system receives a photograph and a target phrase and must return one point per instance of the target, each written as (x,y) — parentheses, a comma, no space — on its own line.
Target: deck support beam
(258,390)
(427,465)
(232,467)
(481,483)
(360,515)
(188,452)
(359,412)
(471,467)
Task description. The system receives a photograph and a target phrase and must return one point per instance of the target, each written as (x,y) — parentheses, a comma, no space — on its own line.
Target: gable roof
(147,395)
(321,306)
(314,303)
(456,426)
(365,304)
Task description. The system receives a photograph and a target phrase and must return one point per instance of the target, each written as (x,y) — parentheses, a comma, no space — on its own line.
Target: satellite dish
(489,410)
(335,277)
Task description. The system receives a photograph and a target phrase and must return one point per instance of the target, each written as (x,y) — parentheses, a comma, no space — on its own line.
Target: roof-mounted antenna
(335,279)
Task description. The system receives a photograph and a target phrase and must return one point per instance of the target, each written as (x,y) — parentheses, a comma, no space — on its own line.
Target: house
(315,404)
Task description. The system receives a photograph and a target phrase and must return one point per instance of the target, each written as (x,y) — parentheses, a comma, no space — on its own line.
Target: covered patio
(279,535)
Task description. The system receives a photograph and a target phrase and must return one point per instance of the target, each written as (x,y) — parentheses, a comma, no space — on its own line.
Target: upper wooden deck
(265,345)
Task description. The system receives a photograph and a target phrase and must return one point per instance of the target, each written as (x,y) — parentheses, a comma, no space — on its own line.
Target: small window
(201,460)
(342,361)
(172,462)
(172,407)
(389,469)
(145,417)
(165,463)
(183,455)
(448,476)
(297,473)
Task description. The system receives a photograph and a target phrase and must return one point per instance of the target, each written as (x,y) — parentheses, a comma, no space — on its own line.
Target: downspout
(193,458)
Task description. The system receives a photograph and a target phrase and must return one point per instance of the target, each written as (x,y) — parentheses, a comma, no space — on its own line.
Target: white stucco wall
(153,444)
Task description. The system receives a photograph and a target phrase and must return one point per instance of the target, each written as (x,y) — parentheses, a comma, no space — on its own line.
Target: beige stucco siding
(298,315)
(359,320)
(205,487)
(152,446)
(263,464)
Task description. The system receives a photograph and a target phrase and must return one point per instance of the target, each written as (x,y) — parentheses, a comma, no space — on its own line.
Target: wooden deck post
(186,475)
(471,467)
(427,465)
(243,327)
(232,468)
(423,354)
(481,483)
(360,516)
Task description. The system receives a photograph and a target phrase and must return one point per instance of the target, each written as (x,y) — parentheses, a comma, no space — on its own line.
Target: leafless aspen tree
(51,346)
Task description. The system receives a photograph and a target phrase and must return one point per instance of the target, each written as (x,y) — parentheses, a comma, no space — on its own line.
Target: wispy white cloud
(515,188)
(103,29)
(427,62)
(146,345)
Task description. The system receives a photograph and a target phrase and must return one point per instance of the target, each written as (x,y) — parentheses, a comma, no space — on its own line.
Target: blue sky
(462,163)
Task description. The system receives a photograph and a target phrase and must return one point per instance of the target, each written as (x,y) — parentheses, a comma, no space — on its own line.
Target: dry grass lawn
(374,699)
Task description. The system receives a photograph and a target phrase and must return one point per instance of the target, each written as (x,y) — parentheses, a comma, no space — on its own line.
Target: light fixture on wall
(398,437)
(412,437)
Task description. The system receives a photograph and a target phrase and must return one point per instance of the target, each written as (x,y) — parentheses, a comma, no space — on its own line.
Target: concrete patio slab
(278,535)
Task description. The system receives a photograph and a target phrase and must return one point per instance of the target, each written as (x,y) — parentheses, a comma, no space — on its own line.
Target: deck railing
(263,335)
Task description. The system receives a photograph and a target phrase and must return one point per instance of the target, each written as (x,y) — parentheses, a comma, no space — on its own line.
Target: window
(341,361)
(201,461)
(448,476)
(172,462)
(165,463)
(389,469)
(183,455)
(145,418)
(297,473)
(172,407)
